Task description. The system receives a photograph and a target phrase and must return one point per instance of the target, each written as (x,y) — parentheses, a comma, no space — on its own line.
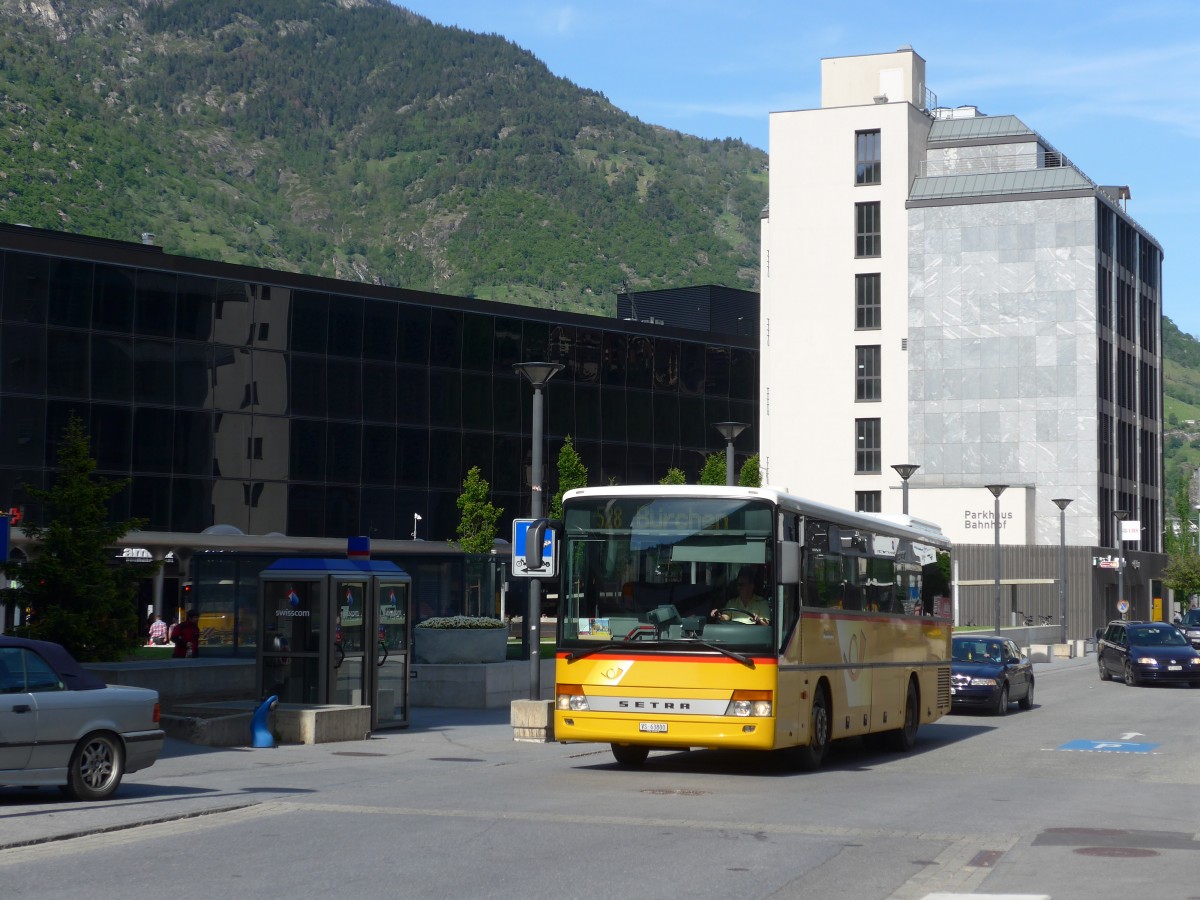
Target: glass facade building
(306,406)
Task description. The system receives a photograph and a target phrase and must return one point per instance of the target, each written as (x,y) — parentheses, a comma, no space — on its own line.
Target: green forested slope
(357,140)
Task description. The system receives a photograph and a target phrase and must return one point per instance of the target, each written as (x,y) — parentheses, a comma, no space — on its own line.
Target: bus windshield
(666,569)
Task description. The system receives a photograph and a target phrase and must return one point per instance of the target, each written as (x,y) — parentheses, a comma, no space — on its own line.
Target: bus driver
(747,606)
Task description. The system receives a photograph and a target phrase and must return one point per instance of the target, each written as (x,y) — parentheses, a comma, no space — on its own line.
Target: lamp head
(538,373)
(996,489)
(906,470)
(730,430)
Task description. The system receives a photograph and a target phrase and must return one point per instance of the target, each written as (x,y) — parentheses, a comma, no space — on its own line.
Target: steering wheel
(736,615)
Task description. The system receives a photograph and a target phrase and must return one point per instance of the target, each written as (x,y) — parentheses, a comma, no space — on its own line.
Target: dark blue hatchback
(988,672)
(1147,652)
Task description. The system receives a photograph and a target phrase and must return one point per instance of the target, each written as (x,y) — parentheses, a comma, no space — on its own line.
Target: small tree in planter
(477,528)
(713,472)
(572,473)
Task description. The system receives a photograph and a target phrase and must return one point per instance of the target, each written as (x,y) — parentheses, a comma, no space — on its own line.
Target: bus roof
(891,522)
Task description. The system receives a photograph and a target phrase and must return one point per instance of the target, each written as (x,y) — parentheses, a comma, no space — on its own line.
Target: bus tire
(630,755)
(810,756)
(905,737)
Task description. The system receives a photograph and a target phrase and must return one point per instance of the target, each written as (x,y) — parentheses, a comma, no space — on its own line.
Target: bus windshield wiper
(580,654)
(613,645)
(724,651)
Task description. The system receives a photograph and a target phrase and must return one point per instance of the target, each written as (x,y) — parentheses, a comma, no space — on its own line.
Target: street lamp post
(997,490)
(905,471)
(538,374)
(1062,505)
(416,519)
(730,431)
(1120,515)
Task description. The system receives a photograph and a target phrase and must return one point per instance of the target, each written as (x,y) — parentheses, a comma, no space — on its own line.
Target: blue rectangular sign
(549,568)
(1108,747)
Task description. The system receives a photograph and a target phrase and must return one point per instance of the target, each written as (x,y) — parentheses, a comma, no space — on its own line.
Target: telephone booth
(337,631)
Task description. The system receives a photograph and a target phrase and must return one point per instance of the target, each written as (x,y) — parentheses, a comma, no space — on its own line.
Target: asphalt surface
(180,786)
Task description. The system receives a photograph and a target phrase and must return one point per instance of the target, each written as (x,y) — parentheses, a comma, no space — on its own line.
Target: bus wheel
(630,754)
(902,739)
(810,757)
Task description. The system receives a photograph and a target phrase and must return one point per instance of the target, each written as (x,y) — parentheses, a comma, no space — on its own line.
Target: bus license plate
(654,727)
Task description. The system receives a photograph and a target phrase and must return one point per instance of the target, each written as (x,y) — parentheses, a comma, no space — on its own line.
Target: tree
(477,528)
(750,474)
(1182,574)
(1177,539)
(674,476)
(77,594)
(714,469)
(572,473)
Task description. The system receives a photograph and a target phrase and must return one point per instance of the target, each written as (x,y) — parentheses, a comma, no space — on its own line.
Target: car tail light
(157,711)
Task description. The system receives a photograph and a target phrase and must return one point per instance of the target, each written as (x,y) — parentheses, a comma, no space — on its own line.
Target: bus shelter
(337,631)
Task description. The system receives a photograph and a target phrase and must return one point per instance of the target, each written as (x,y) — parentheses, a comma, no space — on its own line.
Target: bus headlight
(571,697)
(746,704)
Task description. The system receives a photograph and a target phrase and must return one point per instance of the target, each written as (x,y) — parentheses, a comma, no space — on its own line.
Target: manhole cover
(677,792)
(453,759)
(355,753)
(1116,852)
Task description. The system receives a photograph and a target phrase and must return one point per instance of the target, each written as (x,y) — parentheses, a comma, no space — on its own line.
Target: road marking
(1108,747)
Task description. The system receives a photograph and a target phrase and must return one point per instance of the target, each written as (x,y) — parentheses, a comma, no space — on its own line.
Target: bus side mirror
(788,561)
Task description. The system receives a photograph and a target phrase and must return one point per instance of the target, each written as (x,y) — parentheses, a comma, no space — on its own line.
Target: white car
(61,725)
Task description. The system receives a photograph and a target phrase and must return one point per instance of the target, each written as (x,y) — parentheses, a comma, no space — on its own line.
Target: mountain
(1181,406)
(355,139)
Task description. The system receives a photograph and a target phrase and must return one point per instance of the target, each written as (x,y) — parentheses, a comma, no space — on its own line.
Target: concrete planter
(460,645)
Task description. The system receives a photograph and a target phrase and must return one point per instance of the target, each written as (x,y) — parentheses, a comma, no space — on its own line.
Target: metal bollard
(260,730)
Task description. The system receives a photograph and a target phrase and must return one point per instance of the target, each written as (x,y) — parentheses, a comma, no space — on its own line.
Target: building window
(866,302)
(866,447)
(866,157)
(868,501)
(866,373)
(866,229)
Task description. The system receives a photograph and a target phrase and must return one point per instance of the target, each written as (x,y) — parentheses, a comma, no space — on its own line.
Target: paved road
(452,807)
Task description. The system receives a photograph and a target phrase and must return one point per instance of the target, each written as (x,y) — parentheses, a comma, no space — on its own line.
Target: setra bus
(746,618)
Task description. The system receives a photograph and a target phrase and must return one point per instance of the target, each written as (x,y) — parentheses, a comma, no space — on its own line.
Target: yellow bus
(746,618)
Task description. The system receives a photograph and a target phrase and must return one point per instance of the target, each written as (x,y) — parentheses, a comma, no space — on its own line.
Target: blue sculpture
(260,731)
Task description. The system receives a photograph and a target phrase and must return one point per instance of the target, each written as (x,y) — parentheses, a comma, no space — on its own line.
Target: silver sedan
(62,725)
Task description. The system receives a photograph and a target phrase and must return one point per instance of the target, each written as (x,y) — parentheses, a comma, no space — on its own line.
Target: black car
(1190,626)
(1142,652)
(988,672)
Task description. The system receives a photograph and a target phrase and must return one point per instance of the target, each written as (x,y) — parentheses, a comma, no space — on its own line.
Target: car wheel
(1026,702)
(1105,675)
(96,767)
(1131,678)
(630,754)
(810,757)
(1002,701)
(904,738)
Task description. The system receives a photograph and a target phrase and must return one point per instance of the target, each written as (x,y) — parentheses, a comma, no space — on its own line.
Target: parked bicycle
(1028,618)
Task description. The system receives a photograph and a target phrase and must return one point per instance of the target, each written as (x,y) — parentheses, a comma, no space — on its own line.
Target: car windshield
(977,651)
(1192,617)
(1157,636)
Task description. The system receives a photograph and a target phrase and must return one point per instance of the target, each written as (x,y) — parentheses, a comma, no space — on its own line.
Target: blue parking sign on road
(1108,747)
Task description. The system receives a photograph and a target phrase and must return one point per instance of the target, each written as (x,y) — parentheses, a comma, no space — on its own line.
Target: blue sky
(1107,82)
